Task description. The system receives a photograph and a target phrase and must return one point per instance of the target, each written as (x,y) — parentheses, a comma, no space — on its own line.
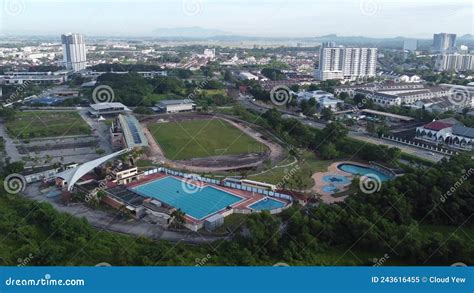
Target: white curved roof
(71,176)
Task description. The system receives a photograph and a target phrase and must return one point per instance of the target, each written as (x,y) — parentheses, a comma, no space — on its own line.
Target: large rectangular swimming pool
(195,202)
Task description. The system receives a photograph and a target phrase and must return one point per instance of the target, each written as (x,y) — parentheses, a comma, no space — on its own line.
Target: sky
(264,18)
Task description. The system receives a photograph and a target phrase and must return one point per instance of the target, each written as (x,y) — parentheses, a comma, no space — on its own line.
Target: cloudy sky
(301,18)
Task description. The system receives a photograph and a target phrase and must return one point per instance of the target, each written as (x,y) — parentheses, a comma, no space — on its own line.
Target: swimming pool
(361,170)
(336,179)
(330,189)
(267,204)
(198,204)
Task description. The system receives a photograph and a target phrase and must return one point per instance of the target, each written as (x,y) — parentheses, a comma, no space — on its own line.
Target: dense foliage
(405,220)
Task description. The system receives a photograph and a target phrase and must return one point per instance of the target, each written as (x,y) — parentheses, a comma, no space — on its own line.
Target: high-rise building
(410,45)
(346,63)
(444,42)
(74,51)
(455,62)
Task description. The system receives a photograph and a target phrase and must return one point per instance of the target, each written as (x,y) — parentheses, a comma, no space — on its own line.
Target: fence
(428,147)
(220,183)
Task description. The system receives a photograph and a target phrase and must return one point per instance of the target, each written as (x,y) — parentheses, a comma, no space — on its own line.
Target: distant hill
(188,32)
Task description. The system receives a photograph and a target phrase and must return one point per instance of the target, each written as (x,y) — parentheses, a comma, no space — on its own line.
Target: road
(101,130)
(420,153)
(10,147)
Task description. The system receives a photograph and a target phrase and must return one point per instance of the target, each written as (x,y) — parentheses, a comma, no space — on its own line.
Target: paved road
(420,153)
(10,147)
(101,130)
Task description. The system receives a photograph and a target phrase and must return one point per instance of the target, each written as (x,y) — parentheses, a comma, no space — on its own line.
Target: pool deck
(327,197)
(248,198)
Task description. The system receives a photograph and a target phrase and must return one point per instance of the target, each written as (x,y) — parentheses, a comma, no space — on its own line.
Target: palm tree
(178,215)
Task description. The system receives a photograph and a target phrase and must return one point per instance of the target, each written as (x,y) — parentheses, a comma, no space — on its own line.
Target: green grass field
(308,166)
(34,124)
(202,138)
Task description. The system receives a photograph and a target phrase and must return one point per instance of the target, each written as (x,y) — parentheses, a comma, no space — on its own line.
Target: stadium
(209,143)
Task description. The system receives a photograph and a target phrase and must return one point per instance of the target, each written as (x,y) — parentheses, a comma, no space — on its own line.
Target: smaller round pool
(330,189)
(336,179)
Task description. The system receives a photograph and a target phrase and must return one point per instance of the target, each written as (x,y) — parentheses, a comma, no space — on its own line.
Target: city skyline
(302,18)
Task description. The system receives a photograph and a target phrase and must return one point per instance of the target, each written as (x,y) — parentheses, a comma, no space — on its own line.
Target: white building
(107,109)
(447,132)
(395,97)
(247,76)
(323,99)
(176,106)
(210,54)
(346,63)
(74,51)
(455,61)
(37,78)
(410,79)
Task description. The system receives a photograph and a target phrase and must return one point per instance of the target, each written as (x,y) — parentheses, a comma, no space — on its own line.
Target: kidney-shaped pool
(362,171)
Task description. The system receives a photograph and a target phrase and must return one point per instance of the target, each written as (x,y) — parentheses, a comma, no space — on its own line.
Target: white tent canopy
(71,176)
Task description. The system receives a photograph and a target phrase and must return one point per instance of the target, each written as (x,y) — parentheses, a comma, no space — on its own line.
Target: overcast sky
(272,18)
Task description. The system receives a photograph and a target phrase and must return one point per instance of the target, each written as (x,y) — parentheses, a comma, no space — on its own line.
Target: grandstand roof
(132,132)
(71,176)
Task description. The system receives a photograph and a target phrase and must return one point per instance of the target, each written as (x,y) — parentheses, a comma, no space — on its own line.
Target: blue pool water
(267,204)
(336,179)
(199,203)
(360,170)
(330,189)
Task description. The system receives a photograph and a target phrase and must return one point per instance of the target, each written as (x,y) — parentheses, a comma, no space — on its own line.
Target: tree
(327,114)
(329,151)
(334,132)
(178,215)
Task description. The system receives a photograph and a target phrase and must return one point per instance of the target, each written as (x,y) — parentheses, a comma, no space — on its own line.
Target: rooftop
(132,131)
(437,125)
(175,102)
(463,131)
(105,106)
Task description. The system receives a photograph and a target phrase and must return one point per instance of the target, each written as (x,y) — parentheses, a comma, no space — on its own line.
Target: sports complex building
(204,201)
(156,194)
